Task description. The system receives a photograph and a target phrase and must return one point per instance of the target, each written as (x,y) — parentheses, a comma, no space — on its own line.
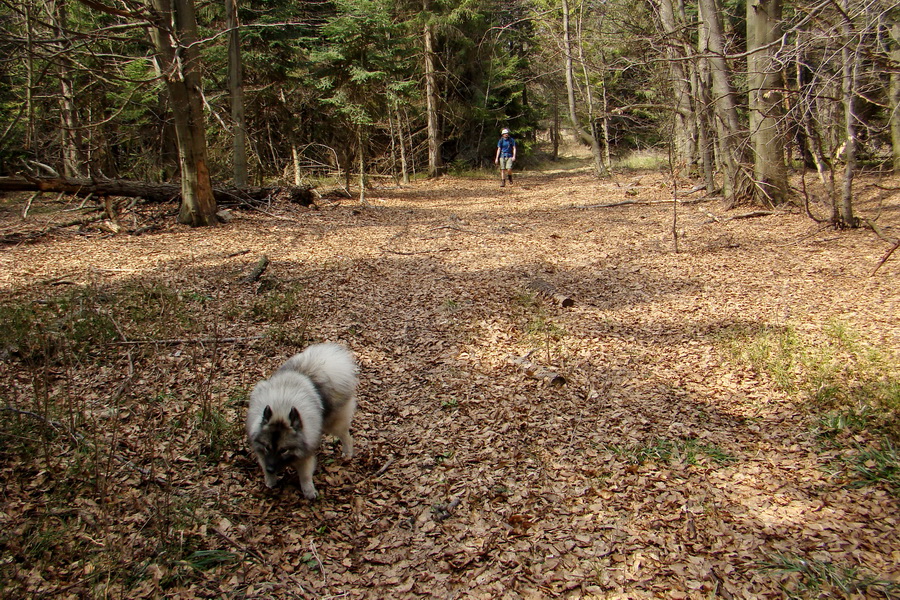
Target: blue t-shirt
(506,146)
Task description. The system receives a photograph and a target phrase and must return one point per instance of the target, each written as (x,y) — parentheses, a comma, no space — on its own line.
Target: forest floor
(719,431)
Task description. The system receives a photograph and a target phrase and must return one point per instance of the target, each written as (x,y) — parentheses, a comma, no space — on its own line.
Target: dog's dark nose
(271,470)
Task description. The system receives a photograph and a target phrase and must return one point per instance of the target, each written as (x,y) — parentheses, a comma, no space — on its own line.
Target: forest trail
(663,468)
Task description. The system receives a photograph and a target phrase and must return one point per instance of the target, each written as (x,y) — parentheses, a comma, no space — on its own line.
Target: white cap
(504,130)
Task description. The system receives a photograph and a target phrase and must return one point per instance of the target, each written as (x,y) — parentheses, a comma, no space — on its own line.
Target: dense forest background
(738,93)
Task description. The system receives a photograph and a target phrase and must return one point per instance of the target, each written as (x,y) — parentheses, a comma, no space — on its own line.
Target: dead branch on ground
(258,270)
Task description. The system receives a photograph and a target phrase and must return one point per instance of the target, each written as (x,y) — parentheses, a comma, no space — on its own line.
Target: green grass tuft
(812,578)
(661,450)
(853,387)
(879,465)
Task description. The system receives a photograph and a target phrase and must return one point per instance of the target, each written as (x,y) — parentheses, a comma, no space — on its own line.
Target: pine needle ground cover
(723,423)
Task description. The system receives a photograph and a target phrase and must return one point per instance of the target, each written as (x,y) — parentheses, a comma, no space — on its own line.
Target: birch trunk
(599,168)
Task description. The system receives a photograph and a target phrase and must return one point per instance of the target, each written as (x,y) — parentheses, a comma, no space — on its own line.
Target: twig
(76,437)
(160,481)
(380,471)
(388,250)
(79,437)
(454,228)
(384,467)
(273,215)
(752,215)
(315,553)
(28,204)
(805,237)
(885,257)
(611,205)
(258,557)
(877,230)
(230,340)
(641,203)
(240,546)
(710,215)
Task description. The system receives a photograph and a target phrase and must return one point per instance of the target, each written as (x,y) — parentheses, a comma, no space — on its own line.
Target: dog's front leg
(271,478)
(305,468)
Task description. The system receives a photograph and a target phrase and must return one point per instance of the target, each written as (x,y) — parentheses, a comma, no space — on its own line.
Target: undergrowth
(538,327)
(687,451)
(850,388)
(112,415)
(804,577)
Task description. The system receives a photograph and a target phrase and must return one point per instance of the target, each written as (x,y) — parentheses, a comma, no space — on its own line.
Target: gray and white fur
(313,393)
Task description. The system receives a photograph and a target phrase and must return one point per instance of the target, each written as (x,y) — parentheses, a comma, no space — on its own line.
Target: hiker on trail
(506,156)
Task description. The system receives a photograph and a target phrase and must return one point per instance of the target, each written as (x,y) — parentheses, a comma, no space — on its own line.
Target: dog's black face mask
(280,443)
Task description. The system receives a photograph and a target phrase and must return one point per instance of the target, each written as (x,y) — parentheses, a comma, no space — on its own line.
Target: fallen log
(549,292)
(257,271)
(24,238)
(153,192)
(536,371)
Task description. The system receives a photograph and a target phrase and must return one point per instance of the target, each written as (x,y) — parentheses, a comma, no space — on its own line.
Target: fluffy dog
(313,393)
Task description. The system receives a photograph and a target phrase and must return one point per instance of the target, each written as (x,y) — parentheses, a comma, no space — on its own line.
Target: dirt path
(663,468)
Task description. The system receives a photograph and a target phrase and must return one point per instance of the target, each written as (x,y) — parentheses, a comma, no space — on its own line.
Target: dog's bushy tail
(331,366)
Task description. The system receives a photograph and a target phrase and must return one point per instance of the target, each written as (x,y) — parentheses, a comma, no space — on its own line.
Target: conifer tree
(360,65)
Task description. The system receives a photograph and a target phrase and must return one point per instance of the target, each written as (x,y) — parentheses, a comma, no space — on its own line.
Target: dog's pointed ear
(267,414)
(294,416)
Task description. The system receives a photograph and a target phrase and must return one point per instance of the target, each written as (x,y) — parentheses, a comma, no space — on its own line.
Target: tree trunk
(764,87)
(179,63)
(29,79)
(236,90)
(73,158)
(894,98)
(701,83)
(850,58)
(599,169)
(554,127)
(397,138)
(737,184)
(295,160)
(685,131)
(362,165)
(435,161)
